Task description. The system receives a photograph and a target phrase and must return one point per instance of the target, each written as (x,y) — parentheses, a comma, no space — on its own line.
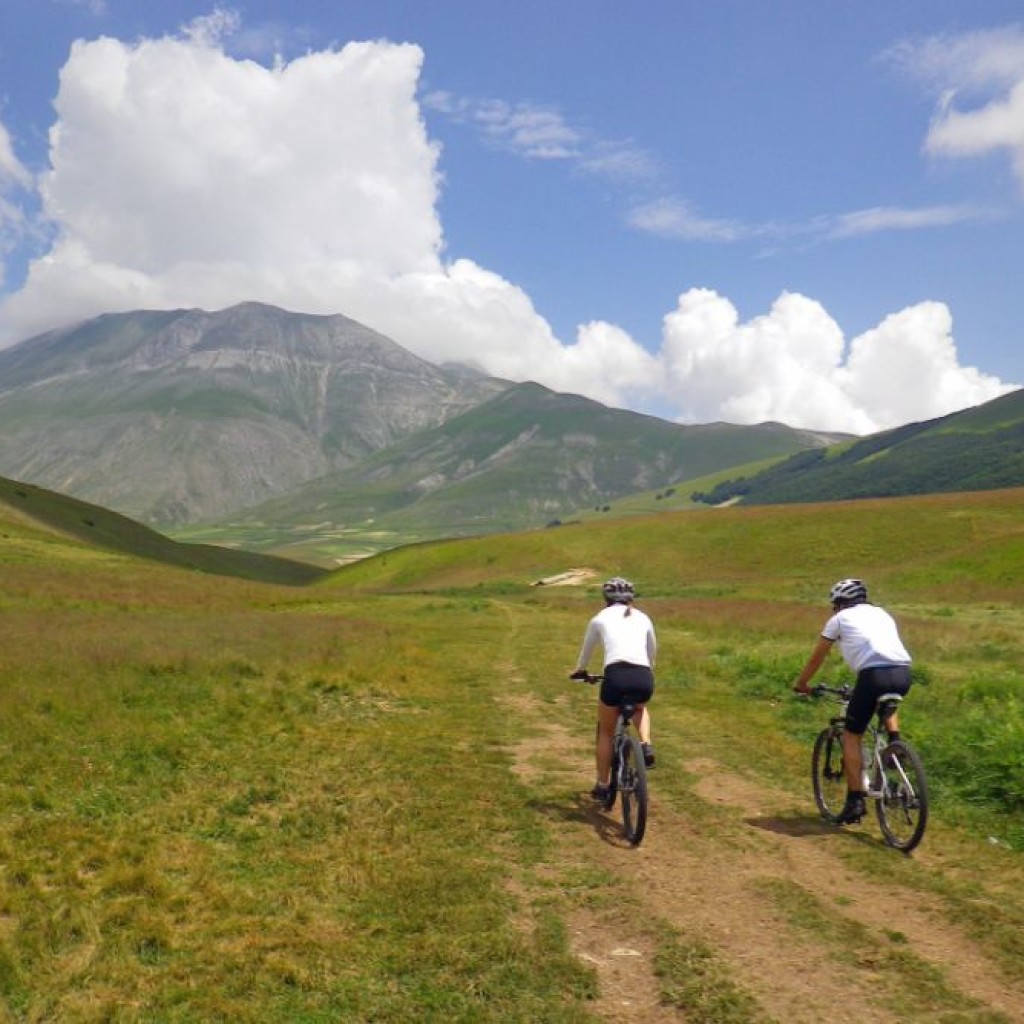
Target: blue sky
(808,211)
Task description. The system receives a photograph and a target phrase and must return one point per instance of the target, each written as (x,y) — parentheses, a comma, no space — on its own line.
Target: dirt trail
(791,922)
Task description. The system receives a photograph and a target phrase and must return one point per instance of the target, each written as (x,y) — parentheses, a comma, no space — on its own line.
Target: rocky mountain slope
(172,417)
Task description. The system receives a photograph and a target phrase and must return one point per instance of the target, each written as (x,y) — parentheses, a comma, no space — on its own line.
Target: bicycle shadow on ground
(584,810)
(803,826)
(796,826)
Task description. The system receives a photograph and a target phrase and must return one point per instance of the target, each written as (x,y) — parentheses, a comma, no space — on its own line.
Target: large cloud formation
(182,177)
(792,365)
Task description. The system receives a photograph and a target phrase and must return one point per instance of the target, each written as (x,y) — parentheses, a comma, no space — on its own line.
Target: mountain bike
(629,772)
(893,775)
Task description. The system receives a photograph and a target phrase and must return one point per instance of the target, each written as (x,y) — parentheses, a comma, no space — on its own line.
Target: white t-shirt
(624,637)
(867,637)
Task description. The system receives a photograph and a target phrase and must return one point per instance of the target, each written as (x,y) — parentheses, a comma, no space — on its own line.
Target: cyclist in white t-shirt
(630,648)
(870,643)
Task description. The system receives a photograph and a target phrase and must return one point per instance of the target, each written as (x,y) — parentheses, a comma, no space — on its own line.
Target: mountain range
(268,419)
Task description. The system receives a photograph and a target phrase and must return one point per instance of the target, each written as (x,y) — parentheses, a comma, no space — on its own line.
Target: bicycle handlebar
(586,677)
(842,692)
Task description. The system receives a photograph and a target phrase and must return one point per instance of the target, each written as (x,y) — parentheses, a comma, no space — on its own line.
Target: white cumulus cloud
(907,368)
(794,365)
(180,176)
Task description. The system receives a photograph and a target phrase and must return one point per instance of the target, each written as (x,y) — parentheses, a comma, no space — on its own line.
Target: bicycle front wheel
(633,787)
(827,773)
(902,807)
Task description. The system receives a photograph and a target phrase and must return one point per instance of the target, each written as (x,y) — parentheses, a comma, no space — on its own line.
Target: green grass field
(232,800)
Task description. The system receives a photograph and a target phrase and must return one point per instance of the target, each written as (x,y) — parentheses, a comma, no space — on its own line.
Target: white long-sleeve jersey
(624,637)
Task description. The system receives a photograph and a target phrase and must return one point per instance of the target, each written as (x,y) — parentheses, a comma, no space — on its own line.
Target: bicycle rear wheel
(827,773)
(633,783)
(903,806)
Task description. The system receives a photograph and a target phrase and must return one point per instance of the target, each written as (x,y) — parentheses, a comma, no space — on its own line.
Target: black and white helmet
(618,590)
(848,590)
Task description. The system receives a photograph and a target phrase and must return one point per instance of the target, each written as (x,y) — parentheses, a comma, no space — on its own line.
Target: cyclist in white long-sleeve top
(627,637)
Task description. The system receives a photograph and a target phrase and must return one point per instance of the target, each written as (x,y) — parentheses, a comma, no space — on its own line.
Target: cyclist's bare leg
(642,723)
(606,719)
(852,759)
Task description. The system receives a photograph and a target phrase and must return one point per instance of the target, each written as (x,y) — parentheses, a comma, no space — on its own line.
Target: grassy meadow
(227,800)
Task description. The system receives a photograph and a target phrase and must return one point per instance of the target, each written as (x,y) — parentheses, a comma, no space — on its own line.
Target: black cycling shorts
(871,684)
(625,683)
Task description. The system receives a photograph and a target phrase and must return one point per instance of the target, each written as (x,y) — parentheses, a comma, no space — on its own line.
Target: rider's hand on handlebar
(803,689)
(580,673)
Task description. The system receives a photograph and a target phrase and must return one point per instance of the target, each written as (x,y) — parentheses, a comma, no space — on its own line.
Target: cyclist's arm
(818,655)
(590,639)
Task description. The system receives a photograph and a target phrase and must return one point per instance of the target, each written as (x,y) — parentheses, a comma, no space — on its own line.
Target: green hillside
(916,548)
(112,532)
(366,798)
(673,498)
(523,459)
(978,449)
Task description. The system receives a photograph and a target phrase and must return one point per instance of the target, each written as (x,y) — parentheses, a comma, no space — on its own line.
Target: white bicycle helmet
(848,590)
(618,590)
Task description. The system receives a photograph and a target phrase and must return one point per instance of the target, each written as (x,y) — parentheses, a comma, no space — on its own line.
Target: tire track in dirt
(710,882)
(621,956)
(806,850)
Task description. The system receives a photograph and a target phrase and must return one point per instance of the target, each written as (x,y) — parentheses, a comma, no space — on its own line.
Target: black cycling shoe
(853,810)
(600,793)
(648,750)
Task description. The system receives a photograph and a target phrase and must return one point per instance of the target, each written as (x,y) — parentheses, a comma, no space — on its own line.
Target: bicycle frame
(628,773)
(873,742)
